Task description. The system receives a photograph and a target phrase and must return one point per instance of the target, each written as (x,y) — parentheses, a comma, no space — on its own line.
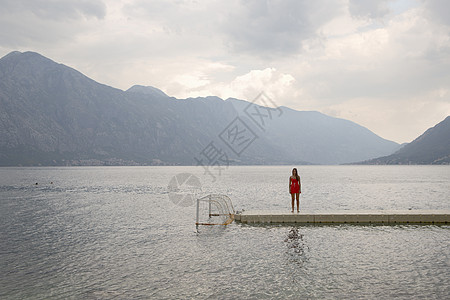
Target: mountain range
(52,114)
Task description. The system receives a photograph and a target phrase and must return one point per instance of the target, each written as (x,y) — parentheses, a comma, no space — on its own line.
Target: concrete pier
(382,217)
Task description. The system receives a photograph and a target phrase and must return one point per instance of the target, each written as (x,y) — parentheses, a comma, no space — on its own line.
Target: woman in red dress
(295,188)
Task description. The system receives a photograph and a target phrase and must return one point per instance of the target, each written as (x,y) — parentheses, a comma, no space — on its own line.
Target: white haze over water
(383,64)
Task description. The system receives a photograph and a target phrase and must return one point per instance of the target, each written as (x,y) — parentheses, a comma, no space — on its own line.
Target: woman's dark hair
(296,174)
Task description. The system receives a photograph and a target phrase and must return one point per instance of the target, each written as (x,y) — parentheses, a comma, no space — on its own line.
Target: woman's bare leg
(293,197)
(298,202)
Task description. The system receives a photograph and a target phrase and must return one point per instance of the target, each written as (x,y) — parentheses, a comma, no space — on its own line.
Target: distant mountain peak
(11,54)
(15,55)
(147,90)
(32,67)
(27,60)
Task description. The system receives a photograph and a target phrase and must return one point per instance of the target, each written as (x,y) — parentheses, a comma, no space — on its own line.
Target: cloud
(274,83)
(270,28)
(56,10)
(394,61)
(438,11)
(369,8)
(35,23)
(277,85)
(172,17)
(262,28)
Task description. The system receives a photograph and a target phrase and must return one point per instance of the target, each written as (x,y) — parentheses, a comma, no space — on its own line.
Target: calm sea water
(113,233)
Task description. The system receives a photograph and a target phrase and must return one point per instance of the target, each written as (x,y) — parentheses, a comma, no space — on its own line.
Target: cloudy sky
(382,64)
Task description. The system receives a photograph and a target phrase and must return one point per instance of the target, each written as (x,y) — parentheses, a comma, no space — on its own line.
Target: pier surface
(387,217)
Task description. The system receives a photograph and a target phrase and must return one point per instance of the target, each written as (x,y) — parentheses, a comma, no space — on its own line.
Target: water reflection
(294,242)
(295,248)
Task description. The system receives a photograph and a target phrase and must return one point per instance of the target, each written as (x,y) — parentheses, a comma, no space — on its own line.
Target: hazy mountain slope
(432,147)
(48,108)
(317,138)
(54,115)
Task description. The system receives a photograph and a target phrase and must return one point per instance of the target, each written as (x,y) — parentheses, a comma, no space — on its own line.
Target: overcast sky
(382,64)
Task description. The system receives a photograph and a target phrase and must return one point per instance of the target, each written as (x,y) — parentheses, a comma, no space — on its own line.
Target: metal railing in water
(214,209)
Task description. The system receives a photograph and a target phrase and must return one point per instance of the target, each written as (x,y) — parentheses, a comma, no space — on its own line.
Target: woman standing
(295,188)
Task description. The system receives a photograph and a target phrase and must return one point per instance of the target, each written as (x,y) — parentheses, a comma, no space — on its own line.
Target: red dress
(295,186)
